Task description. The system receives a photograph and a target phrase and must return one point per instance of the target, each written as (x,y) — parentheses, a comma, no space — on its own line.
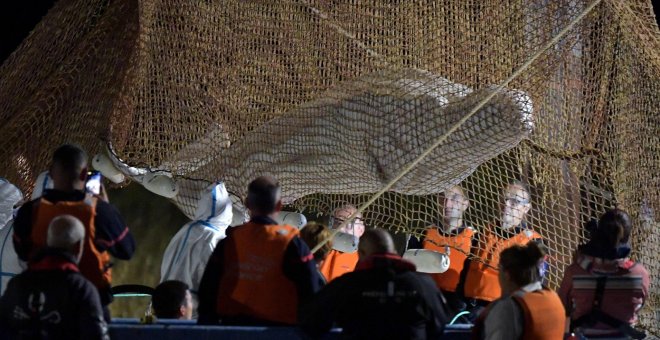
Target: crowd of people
(262,272)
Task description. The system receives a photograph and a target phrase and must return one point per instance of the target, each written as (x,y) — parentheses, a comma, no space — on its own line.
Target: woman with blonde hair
(314,233)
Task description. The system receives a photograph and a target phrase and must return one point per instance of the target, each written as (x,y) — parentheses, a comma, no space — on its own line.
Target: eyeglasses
(516,200)
(337,221)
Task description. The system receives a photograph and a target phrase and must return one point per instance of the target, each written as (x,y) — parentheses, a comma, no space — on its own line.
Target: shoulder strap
(597,315)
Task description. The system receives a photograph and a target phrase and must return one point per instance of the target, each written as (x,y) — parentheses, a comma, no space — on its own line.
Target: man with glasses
(339,263)
(450,236)
(479,280)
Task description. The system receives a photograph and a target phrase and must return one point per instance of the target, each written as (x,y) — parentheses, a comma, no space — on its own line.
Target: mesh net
(336,98)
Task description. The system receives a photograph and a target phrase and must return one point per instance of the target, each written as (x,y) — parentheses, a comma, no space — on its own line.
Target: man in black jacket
(51,299)
(384,298)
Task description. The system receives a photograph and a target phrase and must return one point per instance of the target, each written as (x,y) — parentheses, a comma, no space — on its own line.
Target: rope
(455,127)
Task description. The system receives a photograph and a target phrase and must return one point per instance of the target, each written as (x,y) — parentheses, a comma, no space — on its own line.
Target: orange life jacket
(338,264)
(94,264)
(481,281)
(543,312)
(252,282)
(459,244)
(545,316)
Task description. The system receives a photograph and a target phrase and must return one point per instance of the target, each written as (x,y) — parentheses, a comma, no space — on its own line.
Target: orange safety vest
(543,312)
(481,281)
(545,316)
(252,282)
(459,248)
(94,265)
(338,264)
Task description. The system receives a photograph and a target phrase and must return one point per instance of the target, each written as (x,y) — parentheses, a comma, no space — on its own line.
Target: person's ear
(278,205)
(466,204)
(78,250)
(527,207)
(182,311)
(83,174)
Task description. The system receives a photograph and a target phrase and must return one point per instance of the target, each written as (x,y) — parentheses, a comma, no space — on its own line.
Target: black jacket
(384,298)
(52,300)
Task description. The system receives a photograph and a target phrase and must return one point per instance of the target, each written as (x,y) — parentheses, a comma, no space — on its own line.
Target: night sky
(18,18)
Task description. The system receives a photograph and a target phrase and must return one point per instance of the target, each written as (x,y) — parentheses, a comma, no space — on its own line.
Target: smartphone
(93,184)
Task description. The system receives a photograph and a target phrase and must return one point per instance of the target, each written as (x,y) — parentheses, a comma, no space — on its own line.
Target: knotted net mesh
(337,98)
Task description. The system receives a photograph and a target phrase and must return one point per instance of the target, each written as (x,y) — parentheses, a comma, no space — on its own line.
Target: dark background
(18,18)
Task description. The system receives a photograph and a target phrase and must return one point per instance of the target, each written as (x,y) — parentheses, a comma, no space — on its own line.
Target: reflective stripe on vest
(460,246)
(545,316)
(94,265)
(481,281)
(337,264)
(252,282)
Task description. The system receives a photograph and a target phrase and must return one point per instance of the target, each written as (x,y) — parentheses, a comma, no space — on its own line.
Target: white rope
(455,127)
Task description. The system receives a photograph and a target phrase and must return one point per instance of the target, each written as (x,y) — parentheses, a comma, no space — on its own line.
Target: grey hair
(65,231)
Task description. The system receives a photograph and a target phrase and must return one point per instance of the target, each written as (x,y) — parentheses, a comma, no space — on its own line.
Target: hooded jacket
(10,265)
(189,250)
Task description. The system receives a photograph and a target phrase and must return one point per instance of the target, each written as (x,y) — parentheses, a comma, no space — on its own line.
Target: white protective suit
(189,250)
(10,265)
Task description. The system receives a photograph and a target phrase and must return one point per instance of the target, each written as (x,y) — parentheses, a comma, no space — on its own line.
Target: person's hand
(103,194)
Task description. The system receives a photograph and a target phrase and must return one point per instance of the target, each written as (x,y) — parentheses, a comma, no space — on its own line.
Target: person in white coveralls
(189,250)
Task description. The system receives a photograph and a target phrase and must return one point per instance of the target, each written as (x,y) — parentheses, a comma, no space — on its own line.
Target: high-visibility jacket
(544,314)
(253,282)
(481,281)
(94,264)
(542,311)
(459,246)
(338,264)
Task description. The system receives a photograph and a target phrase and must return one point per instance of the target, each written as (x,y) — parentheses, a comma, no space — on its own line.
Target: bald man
(384,298)
(449,236)
(338,263)
(51,297)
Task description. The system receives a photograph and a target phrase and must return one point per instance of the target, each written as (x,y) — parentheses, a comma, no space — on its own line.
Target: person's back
(188,252)
(603,290)
(51,299)
(261,271)
(526,310)
(106,234)
(384,298)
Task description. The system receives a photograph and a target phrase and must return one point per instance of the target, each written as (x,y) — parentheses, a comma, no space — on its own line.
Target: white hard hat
(427,261)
